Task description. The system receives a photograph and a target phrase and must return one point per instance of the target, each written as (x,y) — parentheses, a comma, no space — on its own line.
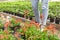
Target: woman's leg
(45,11)
(35,9)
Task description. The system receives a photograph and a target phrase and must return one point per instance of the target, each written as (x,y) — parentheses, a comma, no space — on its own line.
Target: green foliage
(7,36)
(54,8)
(28,32)
(19,7)
(1,24)
(13,23)
(33,34)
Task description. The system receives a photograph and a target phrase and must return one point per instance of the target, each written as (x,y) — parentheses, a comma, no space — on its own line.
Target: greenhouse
(29,19)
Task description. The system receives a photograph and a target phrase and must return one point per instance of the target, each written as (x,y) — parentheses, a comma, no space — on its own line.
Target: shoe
(42,27)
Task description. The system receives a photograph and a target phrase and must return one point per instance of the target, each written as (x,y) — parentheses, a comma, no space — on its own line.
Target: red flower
(32,22)
(6,31)
(51,27)
(6,24)
(37,25)
(18,20)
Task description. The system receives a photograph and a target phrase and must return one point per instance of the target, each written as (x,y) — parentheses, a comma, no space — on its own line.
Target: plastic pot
(57,20)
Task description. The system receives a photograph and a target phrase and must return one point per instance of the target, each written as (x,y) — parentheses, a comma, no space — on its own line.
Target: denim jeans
(37,12)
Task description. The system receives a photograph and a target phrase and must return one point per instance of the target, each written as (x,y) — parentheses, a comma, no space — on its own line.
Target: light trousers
(37,12)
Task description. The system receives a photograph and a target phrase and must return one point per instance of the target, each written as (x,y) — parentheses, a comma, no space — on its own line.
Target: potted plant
(14,24)
(32,33)
(51,16)
(57,20)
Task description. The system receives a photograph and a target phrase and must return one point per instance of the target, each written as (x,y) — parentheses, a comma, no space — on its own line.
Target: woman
(37,13)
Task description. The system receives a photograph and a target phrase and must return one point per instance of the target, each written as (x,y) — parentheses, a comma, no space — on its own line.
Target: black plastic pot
(2,28)
(12,28)
(57,20)
(8,12)
(17,14)
(51,19)
(30,18)
(24,37)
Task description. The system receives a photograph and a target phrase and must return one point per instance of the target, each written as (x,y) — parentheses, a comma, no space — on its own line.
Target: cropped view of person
(37,12)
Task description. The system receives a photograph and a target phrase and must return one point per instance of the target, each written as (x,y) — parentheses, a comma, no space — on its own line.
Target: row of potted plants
(54,18)
(19,7)
(16,29)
